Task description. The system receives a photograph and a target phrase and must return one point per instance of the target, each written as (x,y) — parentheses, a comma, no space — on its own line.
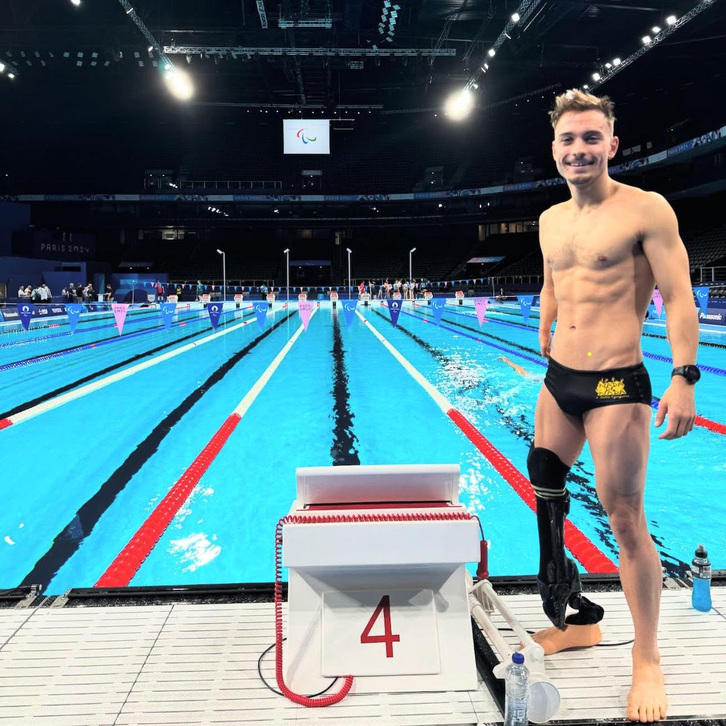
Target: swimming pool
(80,478)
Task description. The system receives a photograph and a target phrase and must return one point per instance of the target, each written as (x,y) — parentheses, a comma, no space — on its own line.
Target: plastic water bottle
(701,569)
(516,682)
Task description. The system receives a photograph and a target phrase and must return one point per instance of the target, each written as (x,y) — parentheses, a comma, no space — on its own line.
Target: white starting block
(377,580)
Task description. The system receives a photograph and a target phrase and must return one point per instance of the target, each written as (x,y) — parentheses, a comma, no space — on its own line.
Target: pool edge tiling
(196,663)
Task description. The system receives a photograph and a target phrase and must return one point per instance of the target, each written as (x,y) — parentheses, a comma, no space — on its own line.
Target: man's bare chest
(600,244)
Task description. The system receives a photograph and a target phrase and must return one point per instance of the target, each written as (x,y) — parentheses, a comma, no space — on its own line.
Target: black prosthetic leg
(558,579)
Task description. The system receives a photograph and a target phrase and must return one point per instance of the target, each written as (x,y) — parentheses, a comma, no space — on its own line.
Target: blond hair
(577,100)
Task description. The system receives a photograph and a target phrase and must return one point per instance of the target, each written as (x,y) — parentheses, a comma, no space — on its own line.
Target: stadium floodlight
(459,105)
(491,52)
(515,18)
(595,76)
(76,2)
(11,76)
(616,62)
(2,67)
(655,30)
(179,83)
(671,20)
(646,40)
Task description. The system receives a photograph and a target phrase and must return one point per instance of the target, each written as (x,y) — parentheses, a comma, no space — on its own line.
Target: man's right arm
(547,301)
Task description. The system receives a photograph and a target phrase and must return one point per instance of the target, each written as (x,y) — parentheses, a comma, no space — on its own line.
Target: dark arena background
(218,155)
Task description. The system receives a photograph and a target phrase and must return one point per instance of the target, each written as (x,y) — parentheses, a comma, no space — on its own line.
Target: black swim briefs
(579,391)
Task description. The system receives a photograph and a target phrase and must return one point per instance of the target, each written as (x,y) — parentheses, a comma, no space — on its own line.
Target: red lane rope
(129,560)
(719,428)
(330,519)
(5,422)
(586,553)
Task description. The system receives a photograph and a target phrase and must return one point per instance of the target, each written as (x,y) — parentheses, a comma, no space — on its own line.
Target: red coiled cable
(330,519)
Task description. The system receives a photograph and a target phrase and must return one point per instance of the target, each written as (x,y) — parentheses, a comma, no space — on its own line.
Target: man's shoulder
(553,211)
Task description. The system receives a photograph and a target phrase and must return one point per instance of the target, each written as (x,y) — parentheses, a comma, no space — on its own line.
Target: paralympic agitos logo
(305,139)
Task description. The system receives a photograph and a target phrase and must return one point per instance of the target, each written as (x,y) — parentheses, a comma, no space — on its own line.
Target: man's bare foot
(647,700)
(573,636)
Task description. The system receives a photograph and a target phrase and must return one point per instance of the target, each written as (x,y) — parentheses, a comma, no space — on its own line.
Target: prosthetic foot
(558,579)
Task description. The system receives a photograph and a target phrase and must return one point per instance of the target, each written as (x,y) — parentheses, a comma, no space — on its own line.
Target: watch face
(690,373)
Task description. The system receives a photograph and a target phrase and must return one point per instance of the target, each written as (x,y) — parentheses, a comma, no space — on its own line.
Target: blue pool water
(79,479)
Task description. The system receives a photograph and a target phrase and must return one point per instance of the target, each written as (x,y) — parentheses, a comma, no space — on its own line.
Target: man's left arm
(668,259)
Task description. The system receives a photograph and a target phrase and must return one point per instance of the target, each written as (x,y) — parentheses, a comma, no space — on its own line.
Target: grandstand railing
(712,274)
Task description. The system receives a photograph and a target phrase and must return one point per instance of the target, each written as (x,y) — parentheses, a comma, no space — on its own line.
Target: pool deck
(196,663)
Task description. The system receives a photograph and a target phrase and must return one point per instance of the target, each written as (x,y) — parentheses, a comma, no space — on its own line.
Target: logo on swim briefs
(611,388)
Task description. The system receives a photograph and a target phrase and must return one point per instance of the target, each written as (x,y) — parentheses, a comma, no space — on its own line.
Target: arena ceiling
(91,62)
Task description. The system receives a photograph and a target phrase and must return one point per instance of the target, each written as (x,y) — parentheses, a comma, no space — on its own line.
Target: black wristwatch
(690,373)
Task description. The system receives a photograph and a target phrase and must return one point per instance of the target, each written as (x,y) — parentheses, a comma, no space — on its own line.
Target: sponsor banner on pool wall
(38,312)
(713,316)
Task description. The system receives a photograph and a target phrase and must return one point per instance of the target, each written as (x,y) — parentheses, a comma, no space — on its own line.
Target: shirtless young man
(604,249)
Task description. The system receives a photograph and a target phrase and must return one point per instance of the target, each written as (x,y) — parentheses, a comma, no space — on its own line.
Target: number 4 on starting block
(369,633)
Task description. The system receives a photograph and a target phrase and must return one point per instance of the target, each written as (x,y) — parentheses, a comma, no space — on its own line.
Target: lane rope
(127,563)
(582,548)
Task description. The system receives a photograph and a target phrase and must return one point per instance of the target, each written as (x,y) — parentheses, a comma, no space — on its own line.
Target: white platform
(197,664)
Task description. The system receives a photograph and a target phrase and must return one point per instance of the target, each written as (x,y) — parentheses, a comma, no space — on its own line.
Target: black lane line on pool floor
(343,451)
(588,494)
(71,537)
(70,386)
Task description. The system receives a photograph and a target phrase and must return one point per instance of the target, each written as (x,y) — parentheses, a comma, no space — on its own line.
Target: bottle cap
(701,551)
(517,658)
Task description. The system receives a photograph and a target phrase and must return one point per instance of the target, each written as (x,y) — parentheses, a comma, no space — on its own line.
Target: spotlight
(179,83)
(585,86)
(616,62)
(646,40)
(491,52)
(671,20)
(595,76)
(515,18)
(11,76)
(608,66)
(150,48)
(655,30)
(459,105)
(2,67)
(76,2)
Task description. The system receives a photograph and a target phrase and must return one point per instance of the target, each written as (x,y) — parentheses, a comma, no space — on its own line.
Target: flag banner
(658,302)
(438,304)
(349,310)
(119,312)
(215,310)
(167,313)
(25,312)
(73,310)
(394,308)
(306,310)
(702,297)
(480,304)
(261,309)
(525,305)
